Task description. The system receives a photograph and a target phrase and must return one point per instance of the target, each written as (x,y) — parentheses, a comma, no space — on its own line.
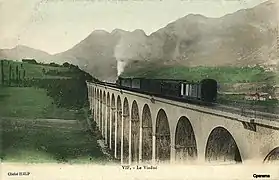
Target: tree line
(70,92)
(16,73)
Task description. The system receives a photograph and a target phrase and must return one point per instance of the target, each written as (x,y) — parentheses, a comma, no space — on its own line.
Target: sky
(57,25)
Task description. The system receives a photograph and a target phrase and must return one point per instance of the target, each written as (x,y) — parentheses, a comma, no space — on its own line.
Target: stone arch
(119,126)
(185,141)
(135,128)
(126,130)
(146,134)
(221,146)
(95,105)
(273,156)
(112,122)
(89,95)
(101,110)
(91,100)
(93,96)
(104,114)
(98,108)
(108,118)
(163,140)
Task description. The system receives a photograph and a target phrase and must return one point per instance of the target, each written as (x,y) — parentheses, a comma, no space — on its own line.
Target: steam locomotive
(204,91)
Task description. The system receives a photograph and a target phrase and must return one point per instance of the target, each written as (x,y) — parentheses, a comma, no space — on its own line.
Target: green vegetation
(68,93)
(241,99)
(221,74)
(277,78)
(32,71)
(58,97)
(56,94)
(30,102)
(270,105)
(49,141)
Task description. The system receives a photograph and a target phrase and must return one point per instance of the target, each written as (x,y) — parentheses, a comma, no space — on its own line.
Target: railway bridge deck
(142,128)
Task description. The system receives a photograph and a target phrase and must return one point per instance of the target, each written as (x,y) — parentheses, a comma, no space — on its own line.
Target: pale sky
(57,25)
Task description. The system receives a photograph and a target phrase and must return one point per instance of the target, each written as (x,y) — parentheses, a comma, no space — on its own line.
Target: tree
(2,71)
(13,75)
(54,64)
(30,61)
(17,74)
(24,74)
(66,64)
(10,74)
(19,77)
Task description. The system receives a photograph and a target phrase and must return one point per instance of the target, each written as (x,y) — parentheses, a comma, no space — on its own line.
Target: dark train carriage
(136,83)
(170,88)
(209,90)
(151,85)
(205,90)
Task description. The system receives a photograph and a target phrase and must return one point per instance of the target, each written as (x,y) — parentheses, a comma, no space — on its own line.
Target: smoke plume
(131,46)
(120,67)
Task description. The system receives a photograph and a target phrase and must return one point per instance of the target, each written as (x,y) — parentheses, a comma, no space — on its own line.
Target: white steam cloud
(120,53)
(120,66)
(131,46)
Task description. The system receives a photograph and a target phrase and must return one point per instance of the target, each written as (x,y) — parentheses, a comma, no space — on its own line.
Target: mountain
(20,52)
(95,54)
(101,52)
(246,37)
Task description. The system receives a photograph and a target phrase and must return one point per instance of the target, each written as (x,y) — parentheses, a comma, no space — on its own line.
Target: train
(202,92)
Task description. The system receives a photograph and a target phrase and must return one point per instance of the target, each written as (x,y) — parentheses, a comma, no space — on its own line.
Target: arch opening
(95,105)
(91,100)
(185,141)
(108,119)
(101,111)
(119,126)
(146,134)
(126,131)
(113,122)
(104,114)
(273,156)
(162,138)
(98,108)
(221,146)
(135,132)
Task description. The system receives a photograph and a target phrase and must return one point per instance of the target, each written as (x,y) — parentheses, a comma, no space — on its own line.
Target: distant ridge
(244,38)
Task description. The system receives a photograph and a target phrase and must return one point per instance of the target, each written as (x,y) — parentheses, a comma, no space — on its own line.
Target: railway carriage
(202,91)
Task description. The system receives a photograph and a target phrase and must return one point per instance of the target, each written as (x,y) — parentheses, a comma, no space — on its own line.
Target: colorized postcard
(139,89)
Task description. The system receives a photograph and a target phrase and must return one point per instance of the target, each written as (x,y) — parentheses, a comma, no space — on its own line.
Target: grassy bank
(43,115)
(33,71)
(57,141)
(45,90)
(30,102)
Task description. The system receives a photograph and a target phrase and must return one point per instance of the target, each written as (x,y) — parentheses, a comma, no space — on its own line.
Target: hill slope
(22,52)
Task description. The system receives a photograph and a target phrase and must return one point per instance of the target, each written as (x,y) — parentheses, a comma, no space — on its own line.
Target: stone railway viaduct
(144,129)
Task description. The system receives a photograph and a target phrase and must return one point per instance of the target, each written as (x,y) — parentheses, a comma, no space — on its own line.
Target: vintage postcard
(139,89)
